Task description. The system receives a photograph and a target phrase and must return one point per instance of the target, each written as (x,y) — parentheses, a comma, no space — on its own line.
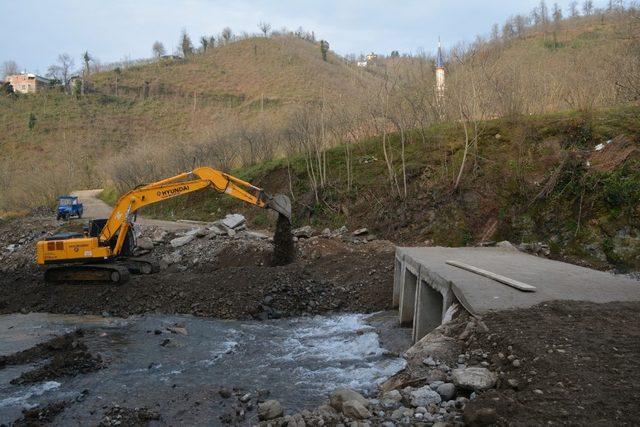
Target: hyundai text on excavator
(105,252)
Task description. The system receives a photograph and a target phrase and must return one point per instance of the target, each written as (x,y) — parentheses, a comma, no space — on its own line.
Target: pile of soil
(577,363)
(225,278)
(40,416)
(119,416)
(65,356)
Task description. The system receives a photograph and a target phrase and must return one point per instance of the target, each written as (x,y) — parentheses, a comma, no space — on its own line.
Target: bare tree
(227,34)
(158,49)
(204,44)
(587,7)
(324,48)
(557,14)
(573,9)
(9,68)
(543,10)
(265,27)
(495,32)
(62,69)
(186,47)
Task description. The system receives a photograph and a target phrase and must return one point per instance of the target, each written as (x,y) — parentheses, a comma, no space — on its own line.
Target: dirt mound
(225,277)
(40,416)
(562,363)
(118,416)
(66,356)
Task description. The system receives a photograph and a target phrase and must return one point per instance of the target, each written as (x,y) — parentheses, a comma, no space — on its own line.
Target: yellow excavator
(104,253)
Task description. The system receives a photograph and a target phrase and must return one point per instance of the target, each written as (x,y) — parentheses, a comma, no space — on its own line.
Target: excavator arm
(189,182)
(96,258)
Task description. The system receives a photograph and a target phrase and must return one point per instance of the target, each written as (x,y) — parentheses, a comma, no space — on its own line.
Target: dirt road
(96,208)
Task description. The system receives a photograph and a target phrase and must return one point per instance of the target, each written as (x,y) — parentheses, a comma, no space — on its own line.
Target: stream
(299,361)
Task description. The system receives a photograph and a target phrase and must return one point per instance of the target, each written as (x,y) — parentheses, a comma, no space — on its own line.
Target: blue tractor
(68,206)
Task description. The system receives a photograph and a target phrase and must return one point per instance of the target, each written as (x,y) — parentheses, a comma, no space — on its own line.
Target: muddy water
(298,360)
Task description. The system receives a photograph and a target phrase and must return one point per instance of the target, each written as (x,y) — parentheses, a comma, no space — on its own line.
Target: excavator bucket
(281,204)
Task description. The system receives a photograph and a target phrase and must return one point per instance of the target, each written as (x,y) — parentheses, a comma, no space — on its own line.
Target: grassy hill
(71,142)
(535,179)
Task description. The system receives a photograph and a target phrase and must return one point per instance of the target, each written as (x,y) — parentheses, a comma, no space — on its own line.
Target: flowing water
(298,360)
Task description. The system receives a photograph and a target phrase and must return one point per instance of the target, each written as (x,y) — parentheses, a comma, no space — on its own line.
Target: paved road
(96,208)
(554,280)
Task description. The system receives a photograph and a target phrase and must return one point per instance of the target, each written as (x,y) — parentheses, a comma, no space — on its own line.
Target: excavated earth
(212,276)
(560,363)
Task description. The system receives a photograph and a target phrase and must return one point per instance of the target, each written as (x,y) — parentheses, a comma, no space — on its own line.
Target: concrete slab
(554,280)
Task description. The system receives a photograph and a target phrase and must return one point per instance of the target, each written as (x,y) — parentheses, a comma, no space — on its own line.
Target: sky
(112,30)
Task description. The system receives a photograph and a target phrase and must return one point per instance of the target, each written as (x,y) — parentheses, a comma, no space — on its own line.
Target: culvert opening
(408,298)
(429,310)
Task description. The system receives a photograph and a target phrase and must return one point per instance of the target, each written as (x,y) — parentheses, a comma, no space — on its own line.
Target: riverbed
(175,365)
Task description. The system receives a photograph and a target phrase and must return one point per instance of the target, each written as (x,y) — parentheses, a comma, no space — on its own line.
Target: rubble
(181,241)
(233,221)
(269,410)
(305,232)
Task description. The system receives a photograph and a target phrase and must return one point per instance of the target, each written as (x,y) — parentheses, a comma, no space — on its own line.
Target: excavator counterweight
(105,253)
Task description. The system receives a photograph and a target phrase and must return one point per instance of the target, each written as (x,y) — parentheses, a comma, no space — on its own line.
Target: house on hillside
(27,82)
(370,59)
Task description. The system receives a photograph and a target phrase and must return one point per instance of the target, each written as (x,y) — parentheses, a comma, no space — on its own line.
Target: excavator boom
(108,244)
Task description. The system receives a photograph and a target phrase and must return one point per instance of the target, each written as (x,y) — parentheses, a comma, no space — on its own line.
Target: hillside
(536,180)
(280,69)
(231,98)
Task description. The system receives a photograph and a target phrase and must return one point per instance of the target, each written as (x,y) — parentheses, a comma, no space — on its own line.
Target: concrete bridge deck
(425,286)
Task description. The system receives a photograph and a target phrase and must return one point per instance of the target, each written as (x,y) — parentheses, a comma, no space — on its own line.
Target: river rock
(360,232)
(233,220)
(269,410)
(303,232)
(159,235)
(391,400)
(474,378)
(181,241)
(446,391)
(254,235)
(424,396)
(338,397)
(144,243)
(172,258)
(355,409)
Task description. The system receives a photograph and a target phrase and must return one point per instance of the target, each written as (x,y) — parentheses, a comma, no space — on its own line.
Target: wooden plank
(493,276)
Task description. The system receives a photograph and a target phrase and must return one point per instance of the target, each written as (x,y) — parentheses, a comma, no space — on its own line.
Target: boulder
(446,391)
(201,232)
(269,410)
(303,232)
(474,378)
(233,220)
(172,258)
(254,235)
(360,232)
(144,243)
(340,231)
(338,397)
(181,241)
(424,396)
(159,235)
(355,409)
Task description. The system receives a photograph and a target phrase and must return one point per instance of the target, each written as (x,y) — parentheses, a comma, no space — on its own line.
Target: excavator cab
(95,228)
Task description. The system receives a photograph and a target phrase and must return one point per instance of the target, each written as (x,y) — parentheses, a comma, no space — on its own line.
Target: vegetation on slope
(532,179)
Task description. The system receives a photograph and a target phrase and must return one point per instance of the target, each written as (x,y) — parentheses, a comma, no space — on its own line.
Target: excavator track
(139,265)
(88,273)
